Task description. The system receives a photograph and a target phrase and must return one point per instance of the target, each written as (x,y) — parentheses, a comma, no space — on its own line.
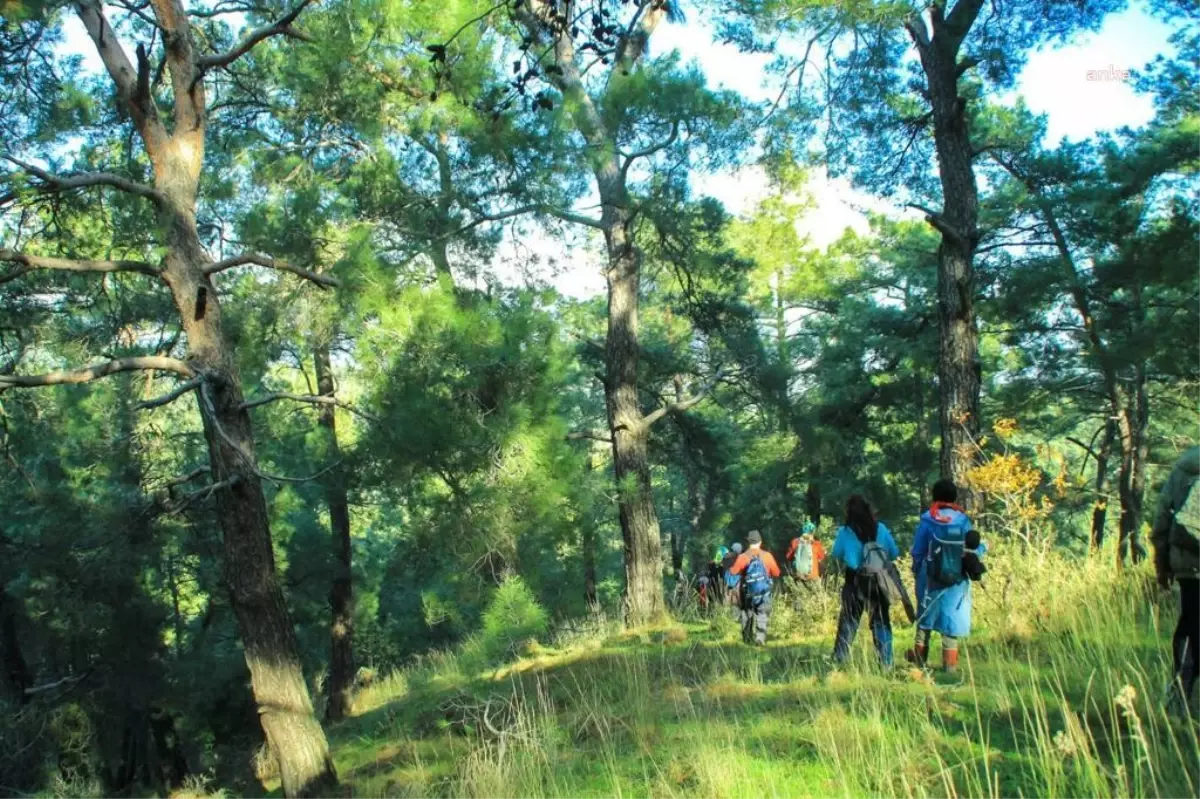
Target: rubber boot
(918,655)
(950,660)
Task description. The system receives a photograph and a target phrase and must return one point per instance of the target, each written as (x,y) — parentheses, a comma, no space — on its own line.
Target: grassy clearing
(1059,695)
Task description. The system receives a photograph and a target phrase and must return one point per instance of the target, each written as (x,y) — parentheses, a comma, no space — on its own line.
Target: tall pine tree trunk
(588,545)
(1100,509)
(176,157)
(958,351)
(1132,478)
(630,431)
(341,595)
(631,465)
(812,498)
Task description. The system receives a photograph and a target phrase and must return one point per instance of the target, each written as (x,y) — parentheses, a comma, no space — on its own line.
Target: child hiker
(945,556)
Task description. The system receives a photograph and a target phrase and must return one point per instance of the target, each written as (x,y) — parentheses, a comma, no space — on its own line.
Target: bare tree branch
(122,72)
(939,223)
(967,63)
(189,477)
(28,263)
(652,149)
(71,680)
(281,27)
(312,399)
(681,405)
(89,373)
(247,459)
(166,399)
(192,497)
(56,183)
(574,218)
(324,281)
(581,435)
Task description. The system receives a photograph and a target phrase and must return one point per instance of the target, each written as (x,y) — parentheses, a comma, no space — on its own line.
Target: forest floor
(1057,699)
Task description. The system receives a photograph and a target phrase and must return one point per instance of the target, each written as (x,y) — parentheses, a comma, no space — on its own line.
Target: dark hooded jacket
(1175,544)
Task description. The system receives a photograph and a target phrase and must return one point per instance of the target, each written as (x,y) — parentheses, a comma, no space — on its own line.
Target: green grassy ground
(1059,694)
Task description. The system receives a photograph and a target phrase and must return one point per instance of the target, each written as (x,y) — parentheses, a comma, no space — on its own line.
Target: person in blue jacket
(860,529)
(944,601)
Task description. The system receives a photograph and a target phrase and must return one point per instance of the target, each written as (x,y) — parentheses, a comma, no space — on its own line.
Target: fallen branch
(324,281)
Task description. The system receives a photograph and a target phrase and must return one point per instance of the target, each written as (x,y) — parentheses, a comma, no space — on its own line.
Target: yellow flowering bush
(1009,487)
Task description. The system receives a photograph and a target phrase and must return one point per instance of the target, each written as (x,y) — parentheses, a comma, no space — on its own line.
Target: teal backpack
(946,555)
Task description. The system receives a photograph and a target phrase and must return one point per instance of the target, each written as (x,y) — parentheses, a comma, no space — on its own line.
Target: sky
(1055,82)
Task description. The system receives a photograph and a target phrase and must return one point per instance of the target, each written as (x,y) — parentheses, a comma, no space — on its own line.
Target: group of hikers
(946,558)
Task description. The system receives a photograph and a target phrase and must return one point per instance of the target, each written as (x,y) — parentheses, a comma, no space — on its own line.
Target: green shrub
(513,617)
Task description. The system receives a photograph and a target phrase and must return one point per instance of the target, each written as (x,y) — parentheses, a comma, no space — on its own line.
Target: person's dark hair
(945,491)
(860,518)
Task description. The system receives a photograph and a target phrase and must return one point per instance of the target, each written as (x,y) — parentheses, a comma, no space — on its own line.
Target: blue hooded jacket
(946,610)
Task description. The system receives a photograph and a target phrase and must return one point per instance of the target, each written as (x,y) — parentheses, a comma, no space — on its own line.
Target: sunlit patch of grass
(1062,703)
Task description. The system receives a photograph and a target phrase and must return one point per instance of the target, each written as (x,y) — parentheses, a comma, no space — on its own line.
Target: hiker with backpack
(716,575)
(1176,537)
(757,568)
(866,548)
(732,581)
(946,560)
(805,555)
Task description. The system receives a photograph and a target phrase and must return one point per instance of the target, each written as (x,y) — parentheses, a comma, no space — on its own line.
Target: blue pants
(855,600)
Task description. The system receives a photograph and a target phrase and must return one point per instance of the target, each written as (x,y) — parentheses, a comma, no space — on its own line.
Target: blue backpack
(946,555)
(732,580)
(758,582)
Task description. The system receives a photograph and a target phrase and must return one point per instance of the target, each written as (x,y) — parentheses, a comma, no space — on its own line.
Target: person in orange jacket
(758,568)
(814,559)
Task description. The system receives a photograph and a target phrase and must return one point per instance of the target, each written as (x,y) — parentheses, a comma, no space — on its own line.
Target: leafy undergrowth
(1059,699)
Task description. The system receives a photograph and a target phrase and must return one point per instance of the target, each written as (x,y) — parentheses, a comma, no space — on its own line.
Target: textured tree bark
(439,249)
(696,509)
(589,565)
(341,596)
(959,369)
(639,521)
(1134,452)
(588,545)
(176,156)
(812,499)
(1100,509)
(644,601)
